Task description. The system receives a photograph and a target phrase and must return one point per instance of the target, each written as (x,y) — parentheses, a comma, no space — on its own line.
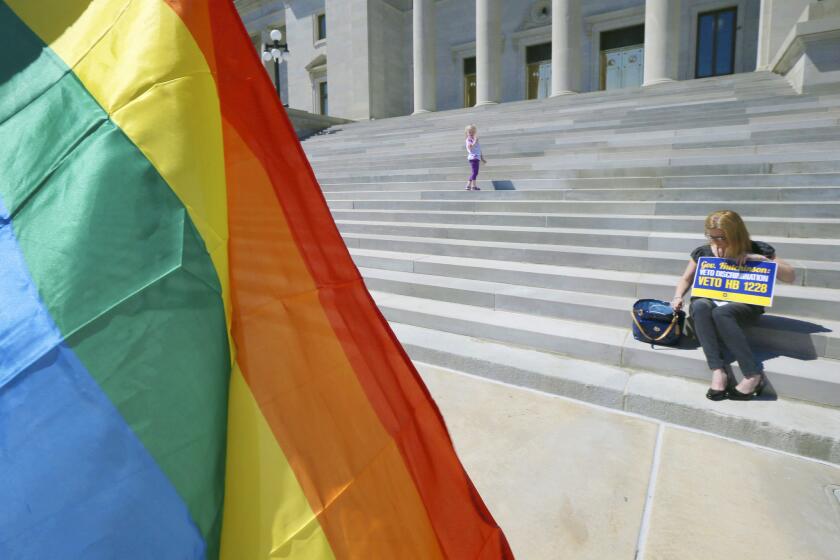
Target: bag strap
(647,336)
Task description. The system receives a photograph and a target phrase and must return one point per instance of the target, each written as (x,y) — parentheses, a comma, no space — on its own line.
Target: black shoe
(716,394)
(736,395)
(720,394)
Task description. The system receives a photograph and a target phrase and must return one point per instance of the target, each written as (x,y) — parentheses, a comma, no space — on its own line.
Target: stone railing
(306,124)
(809,55)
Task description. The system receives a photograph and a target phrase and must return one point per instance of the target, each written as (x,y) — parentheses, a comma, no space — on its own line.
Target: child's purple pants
(474,164)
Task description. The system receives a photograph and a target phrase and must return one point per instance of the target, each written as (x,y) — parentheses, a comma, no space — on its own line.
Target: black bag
(655,321)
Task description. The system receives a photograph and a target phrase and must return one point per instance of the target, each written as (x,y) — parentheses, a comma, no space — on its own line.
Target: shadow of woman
(772,337)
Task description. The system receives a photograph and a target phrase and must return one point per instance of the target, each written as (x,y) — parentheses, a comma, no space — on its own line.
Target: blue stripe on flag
(75,482)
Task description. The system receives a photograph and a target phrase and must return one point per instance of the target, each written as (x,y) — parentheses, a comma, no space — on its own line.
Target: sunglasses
(716,237)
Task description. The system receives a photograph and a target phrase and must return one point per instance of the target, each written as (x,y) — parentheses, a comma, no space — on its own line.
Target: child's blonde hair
(468,128)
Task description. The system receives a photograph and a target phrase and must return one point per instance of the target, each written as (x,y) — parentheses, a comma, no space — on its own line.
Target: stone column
(662,41)
(488,51)
(425,75)
(762,61)
(565,47)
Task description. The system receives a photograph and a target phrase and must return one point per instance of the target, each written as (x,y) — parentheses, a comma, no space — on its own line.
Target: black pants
(723,325)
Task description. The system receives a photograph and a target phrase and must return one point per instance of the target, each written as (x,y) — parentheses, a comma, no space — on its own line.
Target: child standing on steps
(473,156)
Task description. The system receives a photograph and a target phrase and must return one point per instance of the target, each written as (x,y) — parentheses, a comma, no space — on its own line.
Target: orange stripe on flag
(320,359)
(347,464)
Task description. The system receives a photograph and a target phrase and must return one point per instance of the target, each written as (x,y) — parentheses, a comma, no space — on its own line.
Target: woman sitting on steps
(719,323)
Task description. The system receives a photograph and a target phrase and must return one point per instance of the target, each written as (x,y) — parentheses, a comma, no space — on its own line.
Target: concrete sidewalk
(567,479)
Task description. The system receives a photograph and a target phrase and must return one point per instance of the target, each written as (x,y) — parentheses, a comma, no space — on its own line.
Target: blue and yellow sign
(724,280)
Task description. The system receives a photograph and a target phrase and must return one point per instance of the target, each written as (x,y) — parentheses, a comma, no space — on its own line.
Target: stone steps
(742,87)
(671,160)
(450,152)
(686,181)
(770,194)
(754,121)
(790,300)
(421,142)
(792,336)
(549,114)
(596,114)
(612,345)
(590,202)
(598,152)
(819,163)
(788,425)
(815,209)
(819,274)
(780,227)
(813,249)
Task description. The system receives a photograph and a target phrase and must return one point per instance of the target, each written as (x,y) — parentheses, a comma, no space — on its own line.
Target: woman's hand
(751,257)
(784,271)
(677,303)
(483,160)
(683,285)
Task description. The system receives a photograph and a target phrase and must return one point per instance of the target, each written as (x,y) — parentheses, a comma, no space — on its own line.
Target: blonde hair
(468,128)
(738,240)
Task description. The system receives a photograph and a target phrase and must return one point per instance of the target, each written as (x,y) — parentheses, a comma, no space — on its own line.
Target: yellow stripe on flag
(140,62)
(266,512)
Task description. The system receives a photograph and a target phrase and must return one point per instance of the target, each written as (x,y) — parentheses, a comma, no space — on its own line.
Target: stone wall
(370,72)
(390,78)
(348,68)
(304,50)
(456,40)
(455,25)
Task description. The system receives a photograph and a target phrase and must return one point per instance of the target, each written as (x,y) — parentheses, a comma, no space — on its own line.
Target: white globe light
(266,56)
(276,54)
(276,35)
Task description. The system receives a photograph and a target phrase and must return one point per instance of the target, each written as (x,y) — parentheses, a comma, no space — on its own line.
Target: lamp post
(276,51)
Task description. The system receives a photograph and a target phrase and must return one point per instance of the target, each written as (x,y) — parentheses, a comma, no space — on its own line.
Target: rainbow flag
(190,365)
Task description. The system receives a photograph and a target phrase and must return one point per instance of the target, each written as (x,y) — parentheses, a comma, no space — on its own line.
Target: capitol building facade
(372,59)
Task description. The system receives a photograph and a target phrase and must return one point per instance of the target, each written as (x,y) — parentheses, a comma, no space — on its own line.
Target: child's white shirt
(473,148)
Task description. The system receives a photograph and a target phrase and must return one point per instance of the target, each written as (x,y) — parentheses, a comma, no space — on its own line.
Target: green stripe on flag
(120,266)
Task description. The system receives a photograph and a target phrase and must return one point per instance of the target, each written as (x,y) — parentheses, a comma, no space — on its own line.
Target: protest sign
(724,280)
